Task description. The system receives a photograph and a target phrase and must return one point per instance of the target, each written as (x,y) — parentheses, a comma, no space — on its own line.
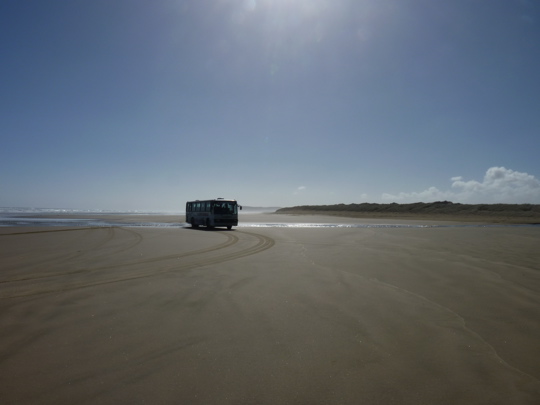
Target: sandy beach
(269,314)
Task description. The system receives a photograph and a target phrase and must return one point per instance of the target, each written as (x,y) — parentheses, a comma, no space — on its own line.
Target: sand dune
(270,315)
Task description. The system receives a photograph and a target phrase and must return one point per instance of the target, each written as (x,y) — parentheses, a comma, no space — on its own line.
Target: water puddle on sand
(310,225)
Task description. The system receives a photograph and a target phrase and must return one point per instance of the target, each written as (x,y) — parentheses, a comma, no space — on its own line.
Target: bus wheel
(193,224)
(229,227)
(208,223)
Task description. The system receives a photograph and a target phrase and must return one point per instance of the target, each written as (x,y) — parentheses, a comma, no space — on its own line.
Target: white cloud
(299,190)
(500,185)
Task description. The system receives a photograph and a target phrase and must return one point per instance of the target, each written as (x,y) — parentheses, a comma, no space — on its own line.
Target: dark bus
(212,213)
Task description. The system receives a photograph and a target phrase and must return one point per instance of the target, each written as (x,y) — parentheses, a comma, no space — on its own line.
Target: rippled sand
(270,315)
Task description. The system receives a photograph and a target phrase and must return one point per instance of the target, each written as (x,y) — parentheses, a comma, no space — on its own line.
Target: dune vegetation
(447,210)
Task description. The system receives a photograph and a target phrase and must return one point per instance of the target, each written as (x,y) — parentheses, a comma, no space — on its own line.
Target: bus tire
(208,224)
(193,224)
(229,227)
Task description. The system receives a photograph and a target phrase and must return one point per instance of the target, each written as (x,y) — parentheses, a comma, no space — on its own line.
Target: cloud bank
(500,185)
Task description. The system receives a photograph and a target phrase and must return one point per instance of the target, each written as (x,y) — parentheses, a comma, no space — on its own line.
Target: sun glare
(294,6)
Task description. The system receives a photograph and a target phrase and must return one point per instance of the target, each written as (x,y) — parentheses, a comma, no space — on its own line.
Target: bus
(212,213)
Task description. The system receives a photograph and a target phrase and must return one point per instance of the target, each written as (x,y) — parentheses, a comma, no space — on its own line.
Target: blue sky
(132,104)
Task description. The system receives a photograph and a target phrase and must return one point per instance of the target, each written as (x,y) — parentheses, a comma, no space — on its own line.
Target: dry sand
(270,315)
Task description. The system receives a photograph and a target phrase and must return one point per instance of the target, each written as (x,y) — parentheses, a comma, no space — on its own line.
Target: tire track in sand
(27,287)
(66,258)
(59,258)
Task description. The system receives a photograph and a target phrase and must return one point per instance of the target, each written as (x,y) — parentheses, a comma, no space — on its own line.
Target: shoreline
(249,217)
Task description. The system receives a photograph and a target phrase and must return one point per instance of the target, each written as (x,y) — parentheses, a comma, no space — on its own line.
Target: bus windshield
(225,207)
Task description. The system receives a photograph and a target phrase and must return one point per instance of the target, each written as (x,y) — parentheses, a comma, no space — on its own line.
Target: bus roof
(215,199)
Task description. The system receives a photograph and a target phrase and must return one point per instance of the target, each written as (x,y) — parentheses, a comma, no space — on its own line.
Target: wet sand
(270,315)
